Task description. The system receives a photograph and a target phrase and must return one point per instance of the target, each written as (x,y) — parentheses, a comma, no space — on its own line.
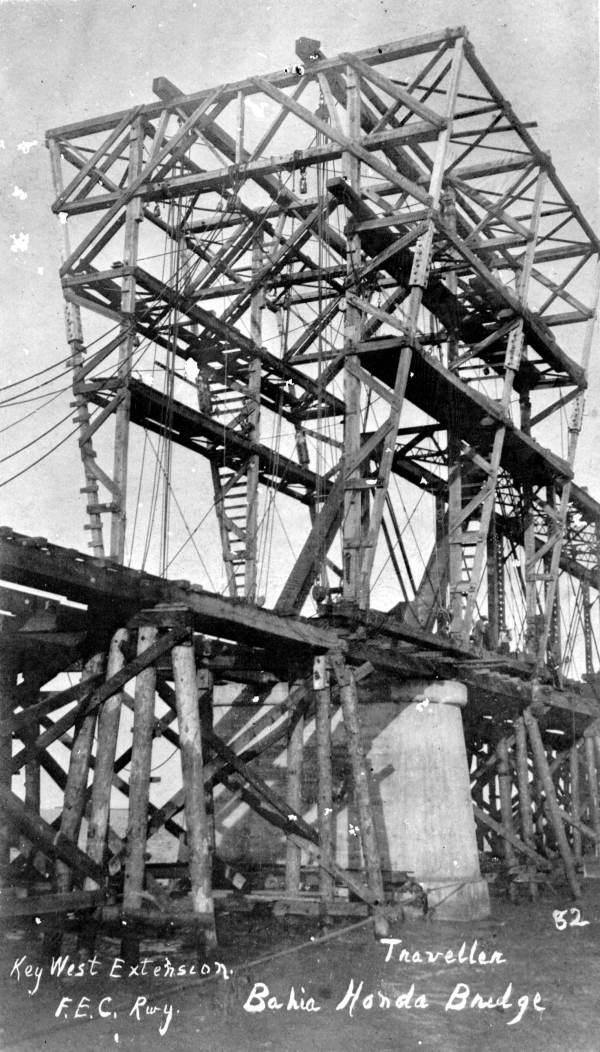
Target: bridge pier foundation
(426,800)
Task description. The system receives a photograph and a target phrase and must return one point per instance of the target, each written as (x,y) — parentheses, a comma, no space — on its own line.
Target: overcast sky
(64,61)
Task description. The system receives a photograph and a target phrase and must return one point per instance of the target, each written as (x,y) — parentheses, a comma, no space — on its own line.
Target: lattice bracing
(364,283)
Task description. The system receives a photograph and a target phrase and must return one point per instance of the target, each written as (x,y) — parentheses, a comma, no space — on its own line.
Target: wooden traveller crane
(328,328)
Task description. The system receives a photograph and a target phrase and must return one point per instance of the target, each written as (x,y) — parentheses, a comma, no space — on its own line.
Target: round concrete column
(425,796)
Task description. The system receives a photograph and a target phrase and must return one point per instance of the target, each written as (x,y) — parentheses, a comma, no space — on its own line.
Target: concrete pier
(426,810)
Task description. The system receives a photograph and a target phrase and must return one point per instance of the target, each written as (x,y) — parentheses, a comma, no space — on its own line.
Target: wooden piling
(32,775)
(575,797)
(349,703)
(32,780)
(8,682)
(75,789)
(108,730)
(545,776)
(99,809)
(41,833)
(482,834)
(205,682)
(592,786)
(324,790)
(524,792)
(505,792)
(596,739)
(139,789)
(295,748)
(192,768)
(539,810)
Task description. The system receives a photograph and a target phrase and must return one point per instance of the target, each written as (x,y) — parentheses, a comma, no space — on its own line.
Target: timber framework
(355,293)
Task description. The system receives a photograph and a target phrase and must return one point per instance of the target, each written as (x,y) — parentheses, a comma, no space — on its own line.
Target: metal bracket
(419,275)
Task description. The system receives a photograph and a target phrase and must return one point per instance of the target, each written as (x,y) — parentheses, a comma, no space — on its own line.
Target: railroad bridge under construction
(329,332)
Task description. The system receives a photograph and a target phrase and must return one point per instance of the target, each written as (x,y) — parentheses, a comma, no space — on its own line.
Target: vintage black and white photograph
(299,526)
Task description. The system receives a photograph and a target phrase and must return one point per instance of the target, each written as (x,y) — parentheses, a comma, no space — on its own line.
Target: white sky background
(66,61)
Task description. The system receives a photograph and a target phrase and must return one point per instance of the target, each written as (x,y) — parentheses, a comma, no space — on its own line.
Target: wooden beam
(45,836)
(395,90)
(85,579)
(134,668)
(108,729)
(485,820)
(75,789)
(136,183)
(360,778)
(541,762)
(388,52)
(192,767)
(56,700)
(348,144)
(139,780)
(39,905)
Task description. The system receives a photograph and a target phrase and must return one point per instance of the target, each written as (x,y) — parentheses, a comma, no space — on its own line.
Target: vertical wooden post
(596,739)
(190,747)
(505,789)
(325,786)
(512,360)
(354,494)
(32,774)
(8,682)
(240,121)
(204,681)
(541,761)
(253,423)
(524,792)
(133,215)
(108,730)
(555,633)
(481,834)
(75,340)
(529,537)
(223,532)
(494,588)
(452,539)
(418,282)
(371,853)
(109,717)
(75,789)
(32,779)
(588,634)
(295,748)
(494,806)
(592,785)
(575,794)
(557,530)
(139,788)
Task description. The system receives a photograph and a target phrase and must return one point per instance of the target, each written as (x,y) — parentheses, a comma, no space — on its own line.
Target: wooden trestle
(535,748)
(379,293)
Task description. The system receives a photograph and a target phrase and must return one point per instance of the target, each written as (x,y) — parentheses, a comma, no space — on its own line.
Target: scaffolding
(358,294)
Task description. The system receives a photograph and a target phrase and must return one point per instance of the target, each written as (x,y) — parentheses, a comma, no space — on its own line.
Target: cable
(33,441)
(52,428)
(168,485)
(162,763)
(34,463)
(33,376)
(63,361)
(36,398)
(34,411)
(139,493)
(30,390)
(189,271)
